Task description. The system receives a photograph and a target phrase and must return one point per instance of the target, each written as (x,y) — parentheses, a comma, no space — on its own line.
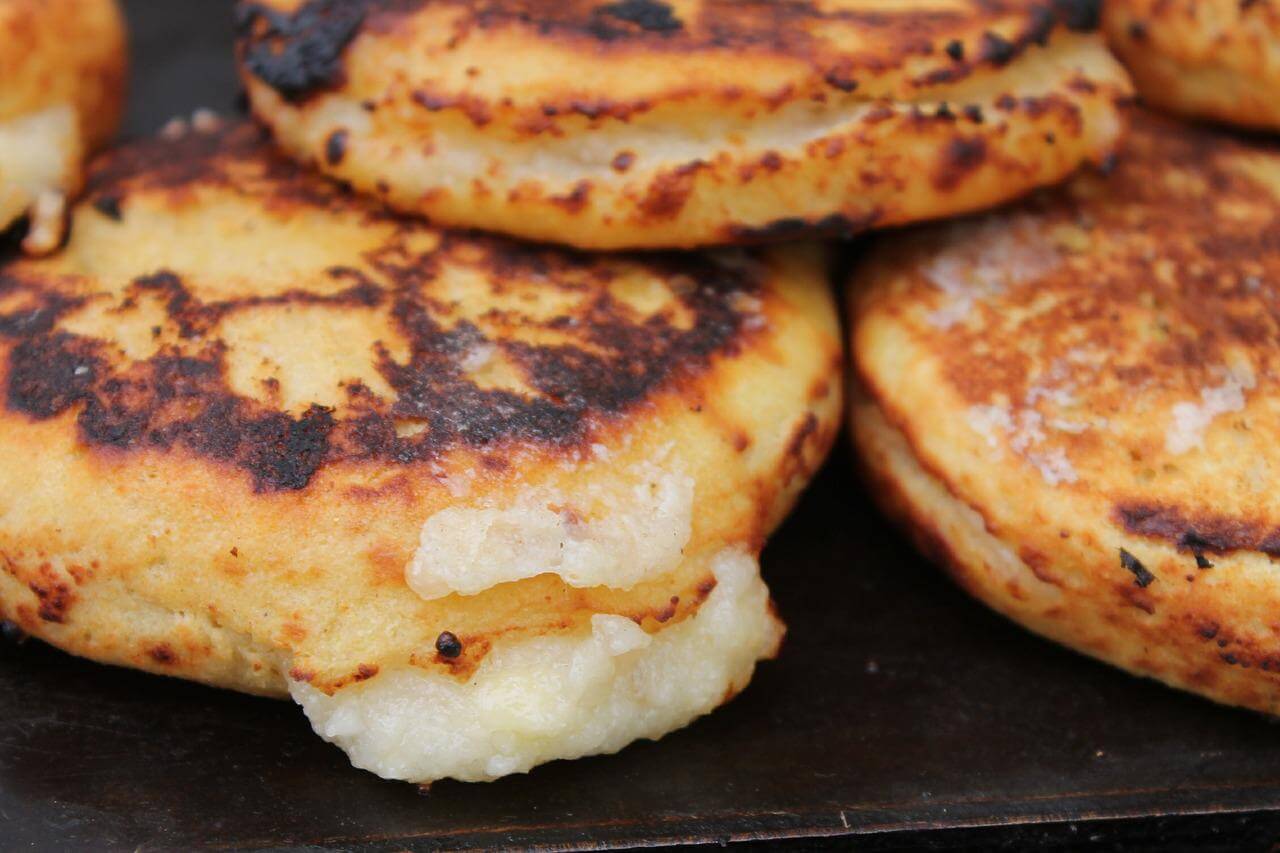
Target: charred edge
(11,632)
(629,17)
(298,54)
(1211,534)
(836,225)
(237,155)
(1141,576)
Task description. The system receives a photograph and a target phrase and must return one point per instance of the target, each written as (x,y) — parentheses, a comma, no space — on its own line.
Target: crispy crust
(1072,406)
(234,398)
(1216,59)
(638,124)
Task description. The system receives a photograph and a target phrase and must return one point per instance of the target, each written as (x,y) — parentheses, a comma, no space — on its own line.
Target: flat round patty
(1215,59)
(62,77)
(258,432)
(650,124)
(1073,403)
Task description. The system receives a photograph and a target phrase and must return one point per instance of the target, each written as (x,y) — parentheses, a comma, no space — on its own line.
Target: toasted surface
(647,124)
(1216,59)
(62,77)
(1074,403)
(234,402)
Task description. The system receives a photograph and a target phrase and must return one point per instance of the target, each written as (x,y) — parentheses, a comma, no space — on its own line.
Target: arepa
(1074,406)
(476,505)
(643,123)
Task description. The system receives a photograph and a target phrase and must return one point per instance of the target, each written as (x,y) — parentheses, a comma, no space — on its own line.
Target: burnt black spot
(180,398)
(1202,562)
(997,49)
(794,228)
(955,50)
(32,320)
(650,16)
(298,54)
(1201,534)
(962,156)
(1079,15)
(335,147)
(285,453)
(973,112)
(50,373)
(10,632)
(448,645)
(108,205)
(1141,576)
(840,79)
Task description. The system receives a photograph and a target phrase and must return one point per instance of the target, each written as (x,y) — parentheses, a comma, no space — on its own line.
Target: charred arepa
(62,68)
(643,123)
(475,505)
(1074,405)
(1216,59)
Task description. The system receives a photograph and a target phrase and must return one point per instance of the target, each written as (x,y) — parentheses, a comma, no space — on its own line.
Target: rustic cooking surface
(900,710)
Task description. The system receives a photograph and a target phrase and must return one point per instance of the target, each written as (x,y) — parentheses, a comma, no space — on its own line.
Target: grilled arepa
(1074,405)
(643,123)
(476,505)
(62,70)
(1216,59)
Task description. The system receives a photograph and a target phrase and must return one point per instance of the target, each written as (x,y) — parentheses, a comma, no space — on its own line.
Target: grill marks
(1201,533)
(610,359)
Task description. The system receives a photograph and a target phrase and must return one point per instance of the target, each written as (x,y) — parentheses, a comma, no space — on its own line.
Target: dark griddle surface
(899,711)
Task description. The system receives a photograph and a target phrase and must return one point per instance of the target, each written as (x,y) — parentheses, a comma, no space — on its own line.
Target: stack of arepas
(292,408)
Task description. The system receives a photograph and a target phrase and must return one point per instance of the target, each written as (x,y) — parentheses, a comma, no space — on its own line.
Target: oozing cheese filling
(551,697)
(592,537)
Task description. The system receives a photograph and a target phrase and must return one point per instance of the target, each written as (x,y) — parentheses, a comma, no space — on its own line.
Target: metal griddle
(900,712)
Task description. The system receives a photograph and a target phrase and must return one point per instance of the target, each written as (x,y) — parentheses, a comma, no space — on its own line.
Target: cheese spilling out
(594,537)
(551,697)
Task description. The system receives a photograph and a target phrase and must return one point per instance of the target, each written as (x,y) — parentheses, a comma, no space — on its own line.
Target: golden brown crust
(1076,398)
(641,124)
(234,398)
(1216,59)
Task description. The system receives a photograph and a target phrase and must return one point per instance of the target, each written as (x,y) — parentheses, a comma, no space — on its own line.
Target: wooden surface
(900,712)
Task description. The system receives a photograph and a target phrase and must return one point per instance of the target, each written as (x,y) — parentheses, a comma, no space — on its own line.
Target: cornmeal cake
(474,504)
